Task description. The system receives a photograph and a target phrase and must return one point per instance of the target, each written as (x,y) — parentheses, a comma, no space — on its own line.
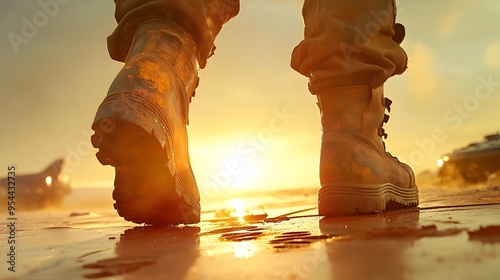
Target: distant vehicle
(473,163)
(36,191)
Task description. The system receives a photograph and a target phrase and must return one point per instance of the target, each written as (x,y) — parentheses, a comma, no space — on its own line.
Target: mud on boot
(357,174)
(140,127)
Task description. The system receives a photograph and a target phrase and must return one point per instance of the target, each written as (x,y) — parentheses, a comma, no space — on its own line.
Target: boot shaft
(171,46)
(357,110)
(352,150)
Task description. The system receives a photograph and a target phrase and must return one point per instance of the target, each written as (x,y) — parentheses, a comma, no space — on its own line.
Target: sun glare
(227,167)
(238,205)
(236,164)
(246,176)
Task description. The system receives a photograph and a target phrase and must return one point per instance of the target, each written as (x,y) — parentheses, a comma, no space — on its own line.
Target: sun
(224,167)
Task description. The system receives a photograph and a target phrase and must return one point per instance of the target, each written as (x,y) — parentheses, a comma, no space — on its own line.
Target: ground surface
(454,234)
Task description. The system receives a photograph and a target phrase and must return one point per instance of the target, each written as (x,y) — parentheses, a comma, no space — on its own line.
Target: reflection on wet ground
(157,249)
(457,239)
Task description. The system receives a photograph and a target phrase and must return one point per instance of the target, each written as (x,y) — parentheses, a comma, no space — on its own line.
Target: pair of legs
(351,47)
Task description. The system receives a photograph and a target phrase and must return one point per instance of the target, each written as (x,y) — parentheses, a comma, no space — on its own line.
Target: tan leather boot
(140,127)
(357,175)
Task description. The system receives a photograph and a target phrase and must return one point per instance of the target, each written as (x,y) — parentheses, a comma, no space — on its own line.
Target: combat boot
(140,127)
(357,174)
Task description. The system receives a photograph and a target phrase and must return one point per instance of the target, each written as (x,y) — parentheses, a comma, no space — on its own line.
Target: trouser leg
(203,19)
(349,42)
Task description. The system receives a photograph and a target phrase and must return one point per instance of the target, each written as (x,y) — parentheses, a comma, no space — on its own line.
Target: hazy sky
(53,80)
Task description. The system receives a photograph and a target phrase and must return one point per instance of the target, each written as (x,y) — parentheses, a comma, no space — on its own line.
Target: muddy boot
(357,175)
(140,127)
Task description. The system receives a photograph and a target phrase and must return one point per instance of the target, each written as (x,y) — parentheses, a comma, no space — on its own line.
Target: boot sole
(146,189)
(344,199)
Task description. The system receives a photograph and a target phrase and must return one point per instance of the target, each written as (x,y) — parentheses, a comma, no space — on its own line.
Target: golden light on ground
(244,250)
(48,181)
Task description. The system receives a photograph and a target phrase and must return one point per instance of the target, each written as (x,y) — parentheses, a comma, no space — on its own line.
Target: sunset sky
(52,83)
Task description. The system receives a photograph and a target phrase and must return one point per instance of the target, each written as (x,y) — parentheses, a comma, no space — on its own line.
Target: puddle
(296,239)
(253,218)
(169,248)
(115,266)
(489,234)
(241,235)
(76,214)
(406,232)
(56,227)
(231,229)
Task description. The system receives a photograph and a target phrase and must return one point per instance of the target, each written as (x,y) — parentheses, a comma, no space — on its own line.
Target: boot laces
(381,130)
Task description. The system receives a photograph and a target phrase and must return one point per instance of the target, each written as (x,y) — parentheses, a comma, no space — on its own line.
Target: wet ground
(455,234)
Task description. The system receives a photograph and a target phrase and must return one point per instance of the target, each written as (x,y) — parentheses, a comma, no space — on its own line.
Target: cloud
(448,23)
(422,79)
(492,55)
